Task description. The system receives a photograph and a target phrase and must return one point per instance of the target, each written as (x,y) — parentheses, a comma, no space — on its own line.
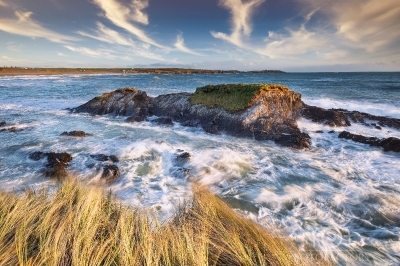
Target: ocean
(340,198)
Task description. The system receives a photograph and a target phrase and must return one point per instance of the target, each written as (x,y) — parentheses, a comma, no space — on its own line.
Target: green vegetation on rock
(232,97)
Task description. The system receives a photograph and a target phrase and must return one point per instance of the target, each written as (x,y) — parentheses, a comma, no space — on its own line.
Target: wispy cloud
(108,35)
(296,43)
(3,3)
(24,25)
(100,53)
(241,20)
(123,16)
(180,45)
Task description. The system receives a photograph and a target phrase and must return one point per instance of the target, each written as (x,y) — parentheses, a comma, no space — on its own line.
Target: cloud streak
(241,20)
(180,45)
(2,3)
(24,25)
(108,35)
(123,16)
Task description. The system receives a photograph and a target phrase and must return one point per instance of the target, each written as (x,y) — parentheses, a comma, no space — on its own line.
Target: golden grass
(232,97)
(81,225)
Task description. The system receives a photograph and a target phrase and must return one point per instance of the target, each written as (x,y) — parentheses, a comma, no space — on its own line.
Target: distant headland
(4,71)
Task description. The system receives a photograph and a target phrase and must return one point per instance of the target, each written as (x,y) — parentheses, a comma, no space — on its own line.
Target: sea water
(340,198)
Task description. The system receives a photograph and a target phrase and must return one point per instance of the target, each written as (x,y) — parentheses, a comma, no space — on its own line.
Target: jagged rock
(56,163)
(360,117)
(11,129)
(3,124)
(124,102)
(329,117)
(136,118)
(104,158)
(388,144)
(110,173)
(37,155)
(182,158)
(167,121)
(391,144)
(270,115)
(77,133)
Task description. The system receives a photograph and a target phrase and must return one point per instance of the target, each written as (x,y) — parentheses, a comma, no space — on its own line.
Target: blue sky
(292,35)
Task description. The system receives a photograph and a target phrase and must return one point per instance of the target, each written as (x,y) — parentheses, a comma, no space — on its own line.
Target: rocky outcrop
(56,163)
(124,102)
(271,114)
(388,144)
(331,117)
(108,169)
(368,119)
(76,133)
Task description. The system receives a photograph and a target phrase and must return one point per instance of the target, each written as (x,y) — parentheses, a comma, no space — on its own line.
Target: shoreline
(18,71)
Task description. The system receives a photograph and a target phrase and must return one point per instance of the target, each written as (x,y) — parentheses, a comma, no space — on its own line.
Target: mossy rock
(108,94)
(232,97)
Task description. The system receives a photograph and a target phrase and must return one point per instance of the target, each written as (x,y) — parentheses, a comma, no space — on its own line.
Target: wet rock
(378,127)
(136,118)
(122,102)
(331,132)
(11,129)
(298,141)
(319,131)
(3,124)
(110,174)
(76,133)
(167,121)
(391,144)
(328,117)
(388,144)
(57,163)
(104,158)
(37,155)
(182,158)
(360,117)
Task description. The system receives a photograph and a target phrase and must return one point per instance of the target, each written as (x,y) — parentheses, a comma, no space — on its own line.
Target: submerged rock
(136,118)
(110,174)
(388,144)
(104,158)
(77,133)
(333,118)
(56,163)
(167,121)
(3,123)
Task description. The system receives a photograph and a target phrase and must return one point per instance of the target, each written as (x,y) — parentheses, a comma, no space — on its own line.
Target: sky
(290,35)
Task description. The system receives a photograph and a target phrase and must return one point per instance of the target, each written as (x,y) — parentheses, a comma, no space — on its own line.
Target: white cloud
(180,45)
(100,53)
(241,20)
(24,25)
(108,35)
(123,16)
(370,24)
(298,42)
(2,3)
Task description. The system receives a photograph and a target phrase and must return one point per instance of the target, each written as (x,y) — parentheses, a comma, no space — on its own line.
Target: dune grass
(231,97)
(81,225)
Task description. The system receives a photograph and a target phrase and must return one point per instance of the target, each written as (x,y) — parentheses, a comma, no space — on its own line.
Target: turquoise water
(340,198)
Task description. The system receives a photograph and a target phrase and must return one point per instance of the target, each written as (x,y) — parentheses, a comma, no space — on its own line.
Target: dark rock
(391,144)
(3,124)
(163,121)
(388,144)
(332,131)
(271,114)
(124,102)
(136,118)
(319,131)
(57,164)
(37,155)
(11,129)
(383,121)
(298,141)
(104,158)
(182,158)
(77,133)
(378,127)
(329,117)
(110,173)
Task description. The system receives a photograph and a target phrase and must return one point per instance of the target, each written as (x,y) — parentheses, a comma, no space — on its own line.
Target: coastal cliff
(263,112)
